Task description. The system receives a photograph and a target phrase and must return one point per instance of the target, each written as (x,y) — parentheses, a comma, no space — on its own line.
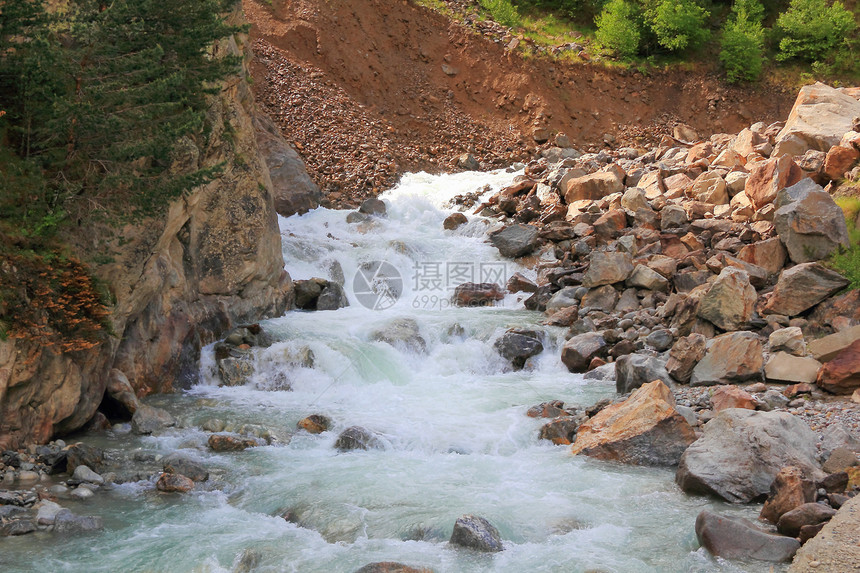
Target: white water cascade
(451,419)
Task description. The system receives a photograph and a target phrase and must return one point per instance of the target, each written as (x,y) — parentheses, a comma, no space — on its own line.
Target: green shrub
(847,262)
(618,27)
(743,42)
(678,24)
(502,11)
(811,29)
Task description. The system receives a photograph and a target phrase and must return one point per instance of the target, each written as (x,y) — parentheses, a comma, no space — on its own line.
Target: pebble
(82,493)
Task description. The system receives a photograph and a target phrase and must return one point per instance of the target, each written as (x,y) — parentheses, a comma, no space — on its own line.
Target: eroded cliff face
(214,261)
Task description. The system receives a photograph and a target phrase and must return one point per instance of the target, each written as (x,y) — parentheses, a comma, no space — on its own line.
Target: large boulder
(792,521)
(518,348)
(477,294)
(730,357)
(730,301)
(731,538)
(710,187)
(768,178)
(788,369)
(645,429)
(515,240)
(595,186)
(809,223)
(769,254)
(357,438)
(684,355)
(827,347)
(476,533)
(820,117)
(578,351)
(741,452)
(634,370)
(607,268)
(803,286)
(790,489)
(841,375)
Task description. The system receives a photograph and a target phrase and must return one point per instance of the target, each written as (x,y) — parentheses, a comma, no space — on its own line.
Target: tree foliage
(618,27)
(678,24)
(811,29)
(742,44)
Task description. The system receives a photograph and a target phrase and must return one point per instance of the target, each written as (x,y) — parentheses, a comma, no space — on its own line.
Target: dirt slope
(370,88)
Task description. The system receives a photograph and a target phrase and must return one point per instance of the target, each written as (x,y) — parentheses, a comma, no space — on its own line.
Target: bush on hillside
(810,29)
(618,27)
(678,24)
(742,43)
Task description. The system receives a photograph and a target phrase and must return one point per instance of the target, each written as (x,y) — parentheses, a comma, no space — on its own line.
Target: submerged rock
(228,443)
(391,567)
(170,482)
(477,294)
(517,348)
(476,533)
(357,438)
(314,424)
(179,464)
(401,332)
(149,419)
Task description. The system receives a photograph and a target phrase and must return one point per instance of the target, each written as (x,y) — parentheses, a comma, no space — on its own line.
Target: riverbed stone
(68,522)
(391,567)
(634,370)
(684,355)
(174,483)
(179,464)
(454,221)
(577,352)
(149,419)
(314,424)
(515,240)
(803,286)
(84,454)
(730,301)
(401,332)
(841,375)
(85,474)
(17,526)
(782,367)
(476,533)
(741,452)
(561,430)
(228,443)
(607,268)
(790,489)
(517,348)
(807,514)
(357,438)
(730,357)
(332,297)
(477,294)
(809,222)
(731,538)
(645,429)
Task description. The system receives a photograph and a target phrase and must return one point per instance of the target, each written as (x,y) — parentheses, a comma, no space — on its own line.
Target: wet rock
(391,567)
(732,397)
(607,268)
(236,370)
(841,375)
(578,351)
(519,283)
(515,240)
(179,464)
(730,357)
(784,367)
(517,348)
(809,223)
(789,490)
(248,561)
(476,533)
(828,347)
(149,419)
(730,301)
(562,430)
(119,389)
(46,512)
(645,429)
(332,297)
(551,409)
(357,438)
(741,452)
(592,187)
(401,332)
(768,178)
(634,370)
(85,474)
(228,443)
(454,221)
(16,527)
(477,294)
(373,206)
(684,356)
(803,286)
(738,539)
(807,514)
(314,424)
(82,454)
(67,522)
(174,483)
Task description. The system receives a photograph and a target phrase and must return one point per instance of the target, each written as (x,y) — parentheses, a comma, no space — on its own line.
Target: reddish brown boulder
(314,424)
(842,374)
(807,514)
(477,294)
(611,223)
(560,431)
(769,254)
(227,443)
(645,429)
(594,186)
(174,483)
(767,178)
(788,491)
(839,160)
(732,397)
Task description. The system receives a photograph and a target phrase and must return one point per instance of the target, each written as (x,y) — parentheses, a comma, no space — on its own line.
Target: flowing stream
(451,419)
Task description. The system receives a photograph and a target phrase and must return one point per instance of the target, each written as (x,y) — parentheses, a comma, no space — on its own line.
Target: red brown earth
(359,87)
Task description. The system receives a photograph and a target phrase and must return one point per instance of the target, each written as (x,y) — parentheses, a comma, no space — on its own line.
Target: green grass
(847,262)
(502,11)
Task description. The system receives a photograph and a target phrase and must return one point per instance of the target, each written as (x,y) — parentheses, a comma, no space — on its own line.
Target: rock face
(803,286)
(515,240)
(809,223)
(645,429)
(841,375)
(730,301)
(730,357)
(738,539)
(476,533)
(820,117)
(742,451)
(180,281)
(835,549)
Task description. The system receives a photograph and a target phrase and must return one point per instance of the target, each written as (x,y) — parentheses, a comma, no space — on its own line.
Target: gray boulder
(476,533)
(403,332)
(634,370)
(741,452)
(731,538)
(67,522)
(357,438)
(149,419)
(821,115)
(518,348)
(730,301)
(515,240)
(578,351)
(809,223)
(730,357)
(179,464)
(803,286)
